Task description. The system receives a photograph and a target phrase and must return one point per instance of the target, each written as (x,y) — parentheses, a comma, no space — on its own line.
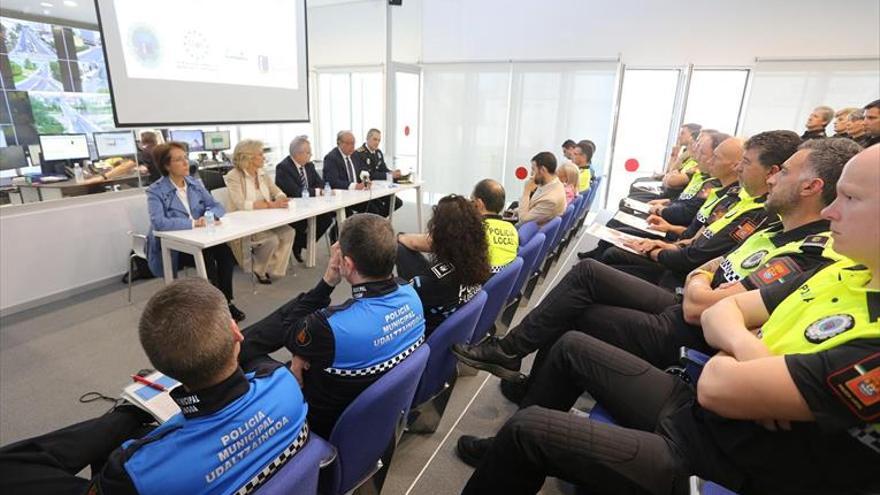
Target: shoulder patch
(815,241)
(775,270)
(827,327)
(442,269)
(858,387)
(743,230)
(362,148)
(754,259)
(303,337)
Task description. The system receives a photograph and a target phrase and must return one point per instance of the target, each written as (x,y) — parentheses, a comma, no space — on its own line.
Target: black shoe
(472,450)
(514,391)
(297,253)
(594,254)
(488,356)
(237,314)
(265,280)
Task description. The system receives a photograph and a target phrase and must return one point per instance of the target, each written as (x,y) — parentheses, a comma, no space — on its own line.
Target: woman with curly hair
(457,261)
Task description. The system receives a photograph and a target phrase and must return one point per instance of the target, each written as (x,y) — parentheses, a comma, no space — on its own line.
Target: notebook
(637,223)
(615,237)
(158,403)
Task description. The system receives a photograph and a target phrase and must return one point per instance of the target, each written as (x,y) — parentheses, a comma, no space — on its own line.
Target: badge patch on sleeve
(303,337)
(858,386)
(442,269)
(775,270)
(743,230)
(754,259)
(828,327)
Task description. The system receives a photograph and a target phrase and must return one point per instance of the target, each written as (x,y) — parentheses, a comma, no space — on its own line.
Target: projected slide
(199,41)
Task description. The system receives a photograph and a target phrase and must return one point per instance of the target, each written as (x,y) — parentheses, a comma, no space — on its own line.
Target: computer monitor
(217,140)
(12,157)
(64,146)
(119,143)
(194,139)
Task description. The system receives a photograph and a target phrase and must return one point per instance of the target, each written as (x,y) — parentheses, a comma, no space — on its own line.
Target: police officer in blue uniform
(370,158)
(235,430)
(340,350)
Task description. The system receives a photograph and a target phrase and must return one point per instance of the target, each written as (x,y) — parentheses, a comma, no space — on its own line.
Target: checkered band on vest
(377,368)
(276,464)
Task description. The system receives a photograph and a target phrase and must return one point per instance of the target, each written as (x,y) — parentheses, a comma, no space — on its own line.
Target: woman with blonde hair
(569,175)
(250,189)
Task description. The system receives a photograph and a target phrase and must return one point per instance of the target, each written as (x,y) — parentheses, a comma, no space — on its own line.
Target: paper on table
(159,404)
(637,223)
(636,205)
(615,237)
(655,187)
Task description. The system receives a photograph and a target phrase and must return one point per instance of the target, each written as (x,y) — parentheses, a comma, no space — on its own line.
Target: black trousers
(219,263)
(639,455)
(634,264)
(48,464)
(322,223)
(612,306)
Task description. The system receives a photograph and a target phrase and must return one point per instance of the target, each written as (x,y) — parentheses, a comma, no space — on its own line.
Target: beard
(779,202)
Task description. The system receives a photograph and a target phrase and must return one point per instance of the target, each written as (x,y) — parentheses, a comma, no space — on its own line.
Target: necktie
(302,176)
(350,169)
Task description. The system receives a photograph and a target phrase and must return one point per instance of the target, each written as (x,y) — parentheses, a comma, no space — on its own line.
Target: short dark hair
(162,154)
(587,147)
(873,104)
(774,146)
(716,137)
(547,160)
(185,332)
(568,143)
(491,193)
(827,158)
(694,129)
(368,239)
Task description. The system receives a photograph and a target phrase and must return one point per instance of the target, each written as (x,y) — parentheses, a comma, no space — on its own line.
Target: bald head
(345,142)
(724,160)
(488,196)
(853,213)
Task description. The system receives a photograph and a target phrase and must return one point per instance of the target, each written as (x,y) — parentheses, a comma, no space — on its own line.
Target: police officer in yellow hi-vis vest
(582,156)
(652,323)
(789,405)
(501,236)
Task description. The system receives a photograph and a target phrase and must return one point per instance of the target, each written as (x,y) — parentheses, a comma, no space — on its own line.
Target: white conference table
(238,224)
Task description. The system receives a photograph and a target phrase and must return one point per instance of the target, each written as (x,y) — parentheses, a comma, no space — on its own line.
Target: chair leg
(130,259)
(253,273)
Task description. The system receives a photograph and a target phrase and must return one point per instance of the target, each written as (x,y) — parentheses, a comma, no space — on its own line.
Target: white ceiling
(79,11)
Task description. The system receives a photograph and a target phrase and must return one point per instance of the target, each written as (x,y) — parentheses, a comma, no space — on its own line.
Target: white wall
(648,32)
(52,248)
(351,33)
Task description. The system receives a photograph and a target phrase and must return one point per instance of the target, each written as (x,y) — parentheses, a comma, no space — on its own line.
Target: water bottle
(328,191)
(209,220)
(78,173)
(305,193)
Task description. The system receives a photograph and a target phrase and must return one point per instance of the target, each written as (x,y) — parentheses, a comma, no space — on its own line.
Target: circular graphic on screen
(145,46)
(195,45)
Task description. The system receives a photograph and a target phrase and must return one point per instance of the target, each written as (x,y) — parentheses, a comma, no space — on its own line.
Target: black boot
(514,391)
(471,449)
(237,314)
(489,356)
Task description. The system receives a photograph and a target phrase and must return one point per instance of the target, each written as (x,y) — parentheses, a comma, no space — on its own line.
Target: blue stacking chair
(556,246)
(366,433)
(526,232)
(569,230)
(300,473)
(550,230)
(529,253)
(438,380)
(497,289)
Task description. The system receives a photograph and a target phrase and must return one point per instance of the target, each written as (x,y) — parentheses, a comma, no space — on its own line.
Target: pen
(148,383)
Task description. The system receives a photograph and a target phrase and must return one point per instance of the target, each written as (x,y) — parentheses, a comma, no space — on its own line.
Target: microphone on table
(365,177)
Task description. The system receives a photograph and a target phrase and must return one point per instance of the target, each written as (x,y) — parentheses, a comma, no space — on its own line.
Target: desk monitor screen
(12,157)
(64,146)
(217,140)
(195,140)
(115,144)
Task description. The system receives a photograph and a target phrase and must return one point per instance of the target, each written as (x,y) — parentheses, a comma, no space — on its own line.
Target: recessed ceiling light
(46,4)
(70,3)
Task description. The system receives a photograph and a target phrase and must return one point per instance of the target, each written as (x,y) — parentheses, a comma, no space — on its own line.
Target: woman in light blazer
(250,189)
(179,202)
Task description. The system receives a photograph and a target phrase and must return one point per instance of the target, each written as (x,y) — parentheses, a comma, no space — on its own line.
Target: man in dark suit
(342,170)
(295,174)
(370,158)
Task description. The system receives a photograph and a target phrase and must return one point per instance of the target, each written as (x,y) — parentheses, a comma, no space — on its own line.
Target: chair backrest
(563,226)
(301,472)
(138,244)
(527,231)
(550,229)
(368,425)
(221,194)
(456,329)
(529,254)
(212,179)
(497,290)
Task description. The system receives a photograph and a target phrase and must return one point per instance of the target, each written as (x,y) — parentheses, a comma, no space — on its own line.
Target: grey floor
(51,355)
